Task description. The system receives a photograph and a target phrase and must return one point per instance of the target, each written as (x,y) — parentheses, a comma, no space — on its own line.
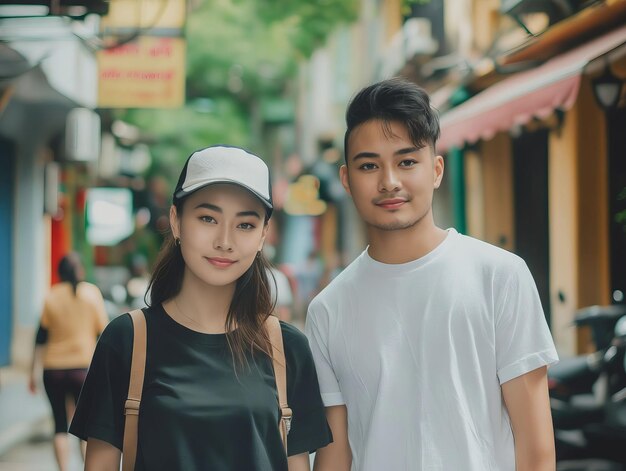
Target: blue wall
(7,158)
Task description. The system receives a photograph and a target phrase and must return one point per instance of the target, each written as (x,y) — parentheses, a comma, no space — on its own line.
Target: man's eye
(246,226)
(407,163)
(207,219)
(369,166)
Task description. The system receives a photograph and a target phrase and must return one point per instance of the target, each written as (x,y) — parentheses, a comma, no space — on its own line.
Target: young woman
(72,318)
(209,395)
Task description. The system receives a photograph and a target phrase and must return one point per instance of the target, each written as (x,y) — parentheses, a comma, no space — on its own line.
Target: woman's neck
(201,307)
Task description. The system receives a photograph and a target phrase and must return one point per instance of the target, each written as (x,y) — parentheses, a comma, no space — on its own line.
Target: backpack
(137,370)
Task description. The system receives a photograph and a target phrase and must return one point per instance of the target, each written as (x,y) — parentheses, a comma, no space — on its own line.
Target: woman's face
(221,230)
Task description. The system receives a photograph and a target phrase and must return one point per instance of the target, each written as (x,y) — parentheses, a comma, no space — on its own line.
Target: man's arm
(336,456)
(528,404)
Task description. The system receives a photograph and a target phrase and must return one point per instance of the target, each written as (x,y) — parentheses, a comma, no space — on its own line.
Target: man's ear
(174,222)
(343,175)
(438,168)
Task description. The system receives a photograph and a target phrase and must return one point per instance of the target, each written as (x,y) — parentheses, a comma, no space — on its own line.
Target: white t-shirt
(418,351)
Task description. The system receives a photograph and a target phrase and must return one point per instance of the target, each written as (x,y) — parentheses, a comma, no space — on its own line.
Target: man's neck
(405,245)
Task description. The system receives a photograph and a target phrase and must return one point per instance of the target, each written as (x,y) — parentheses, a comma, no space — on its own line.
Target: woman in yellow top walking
(73,317)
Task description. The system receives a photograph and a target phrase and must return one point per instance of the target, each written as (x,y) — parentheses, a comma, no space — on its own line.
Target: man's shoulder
(485,254)
(337,287)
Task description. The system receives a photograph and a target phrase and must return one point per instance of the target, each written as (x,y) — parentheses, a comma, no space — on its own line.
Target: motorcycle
(589,415)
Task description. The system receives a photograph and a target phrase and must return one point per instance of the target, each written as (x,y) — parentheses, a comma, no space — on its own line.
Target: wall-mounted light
(607,88)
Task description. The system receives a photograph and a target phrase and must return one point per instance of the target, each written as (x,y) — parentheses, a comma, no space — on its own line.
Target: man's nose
(389,181)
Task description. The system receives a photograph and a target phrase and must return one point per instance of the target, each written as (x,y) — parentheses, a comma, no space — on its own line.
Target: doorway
(530,193)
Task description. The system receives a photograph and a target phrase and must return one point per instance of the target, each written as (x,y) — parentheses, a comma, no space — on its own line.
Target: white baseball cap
(225,164)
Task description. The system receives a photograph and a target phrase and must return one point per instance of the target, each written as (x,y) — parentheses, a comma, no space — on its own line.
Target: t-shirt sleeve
(309,429)
(100,409)
(523,340)
(317,331)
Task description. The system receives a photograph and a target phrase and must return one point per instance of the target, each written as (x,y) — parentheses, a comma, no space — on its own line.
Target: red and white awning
(519,98)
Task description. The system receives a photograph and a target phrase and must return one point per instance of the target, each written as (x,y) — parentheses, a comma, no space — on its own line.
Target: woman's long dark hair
(71,270)
(251,304)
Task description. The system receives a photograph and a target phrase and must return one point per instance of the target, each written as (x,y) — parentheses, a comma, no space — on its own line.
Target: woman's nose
(223,241)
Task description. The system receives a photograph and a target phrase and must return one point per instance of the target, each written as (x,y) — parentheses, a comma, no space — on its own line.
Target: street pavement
(26,428)
(38,455)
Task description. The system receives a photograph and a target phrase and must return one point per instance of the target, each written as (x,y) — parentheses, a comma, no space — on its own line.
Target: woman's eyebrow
(249,213)
(217,209)
(209,206)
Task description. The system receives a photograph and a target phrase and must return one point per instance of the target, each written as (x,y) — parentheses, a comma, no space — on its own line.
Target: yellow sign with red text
(146,73)
(147,69)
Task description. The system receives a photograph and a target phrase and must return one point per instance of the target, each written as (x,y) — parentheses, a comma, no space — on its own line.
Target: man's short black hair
(394,100)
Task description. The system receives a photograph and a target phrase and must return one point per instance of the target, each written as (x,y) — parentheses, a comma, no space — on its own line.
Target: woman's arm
(36,364)
(35,368)
(528,404)
(299,462)
(101,456)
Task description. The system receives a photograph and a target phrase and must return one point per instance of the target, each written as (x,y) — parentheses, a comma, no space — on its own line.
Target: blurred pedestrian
(209,393)
(280,287)
(431,347)
(73,317)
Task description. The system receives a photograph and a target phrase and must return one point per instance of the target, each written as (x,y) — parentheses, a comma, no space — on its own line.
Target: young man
(431,348)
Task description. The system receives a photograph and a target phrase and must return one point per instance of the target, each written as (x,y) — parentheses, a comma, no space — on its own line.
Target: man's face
(390,179)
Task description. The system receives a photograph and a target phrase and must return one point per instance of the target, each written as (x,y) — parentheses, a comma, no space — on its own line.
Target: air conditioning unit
(82,135)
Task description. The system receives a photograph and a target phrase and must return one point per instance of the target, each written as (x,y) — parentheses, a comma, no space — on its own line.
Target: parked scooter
(578,375)
(607,439)
(592,423)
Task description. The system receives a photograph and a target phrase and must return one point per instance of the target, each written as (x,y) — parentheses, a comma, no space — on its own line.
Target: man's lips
(391,203)
(220,262)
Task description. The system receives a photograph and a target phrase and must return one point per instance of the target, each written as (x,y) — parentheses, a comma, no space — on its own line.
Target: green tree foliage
(239,52)
(178,132)
(309,22)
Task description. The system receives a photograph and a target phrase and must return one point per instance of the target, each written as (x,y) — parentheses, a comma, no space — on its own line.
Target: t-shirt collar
(402,268)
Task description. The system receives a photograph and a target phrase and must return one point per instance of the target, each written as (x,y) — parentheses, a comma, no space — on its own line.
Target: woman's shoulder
(294,340)
(118,334)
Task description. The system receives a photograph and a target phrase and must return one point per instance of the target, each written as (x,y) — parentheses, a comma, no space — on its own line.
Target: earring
(177,241)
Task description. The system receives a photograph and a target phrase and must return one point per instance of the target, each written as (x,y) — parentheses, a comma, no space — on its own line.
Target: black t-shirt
(197,412)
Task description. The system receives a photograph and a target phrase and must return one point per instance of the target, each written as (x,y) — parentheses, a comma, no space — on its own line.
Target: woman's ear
(174,222)
(263,235)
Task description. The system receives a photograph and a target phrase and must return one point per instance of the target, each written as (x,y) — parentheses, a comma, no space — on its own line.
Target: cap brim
(184,193)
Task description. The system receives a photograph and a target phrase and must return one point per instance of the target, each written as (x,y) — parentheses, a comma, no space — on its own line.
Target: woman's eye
(246,226)
(368,166)
(407,163)
(207,219)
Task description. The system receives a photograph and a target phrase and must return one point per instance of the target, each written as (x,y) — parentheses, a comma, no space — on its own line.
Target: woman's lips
(220,262)
(393,203)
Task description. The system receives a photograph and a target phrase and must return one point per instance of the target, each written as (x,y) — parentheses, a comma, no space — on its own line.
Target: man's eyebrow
(374,155)
(407,150)
(219,210)
(365,155)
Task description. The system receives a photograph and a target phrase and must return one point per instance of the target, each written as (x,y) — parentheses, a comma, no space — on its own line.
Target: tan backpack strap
(280,373)
(135,388)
